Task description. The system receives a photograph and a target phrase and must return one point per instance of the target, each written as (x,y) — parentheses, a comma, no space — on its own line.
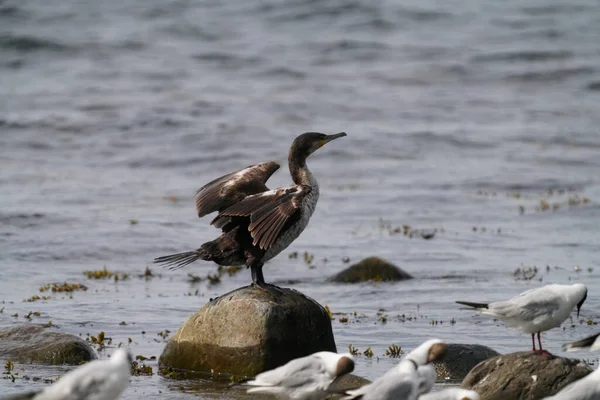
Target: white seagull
(586,388)
(427,378)
(402,381)
(451,394)
(306,378)
(536,310)
(591,342)
(96,380)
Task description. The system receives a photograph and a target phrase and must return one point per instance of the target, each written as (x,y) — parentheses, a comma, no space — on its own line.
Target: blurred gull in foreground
(451,394)
(536,310)
(403,381)
(427,378)
(96,380)
(591,343)
(586,388)
(306,378)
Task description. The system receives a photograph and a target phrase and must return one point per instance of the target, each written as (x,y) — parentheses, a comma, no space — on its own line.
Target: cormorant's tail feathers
(474,305)
(179,260)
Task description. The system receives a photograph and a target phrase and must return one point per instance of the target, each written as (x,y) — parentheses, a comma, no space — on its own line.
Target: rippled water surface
(476,119)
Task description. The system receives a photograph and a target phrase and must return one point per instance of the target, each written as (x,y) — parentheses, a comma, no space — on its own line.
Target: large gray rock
(523,376)
(248,331)
(371,269)
(43,344)
(460,359)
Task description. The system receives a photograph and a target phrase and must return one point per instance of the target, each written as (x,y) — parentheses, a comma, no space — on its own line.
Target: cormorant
(256,223)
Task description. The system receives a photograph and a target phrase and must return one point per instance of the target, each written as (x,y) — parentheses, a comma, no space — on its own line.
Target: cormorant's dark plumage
(256,223)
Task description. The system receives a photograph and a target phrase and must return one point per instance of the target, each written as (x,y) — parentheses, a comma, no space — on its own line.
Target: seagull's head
(337,364)
(122,356)
(430,351)
(582,294)
(307,143)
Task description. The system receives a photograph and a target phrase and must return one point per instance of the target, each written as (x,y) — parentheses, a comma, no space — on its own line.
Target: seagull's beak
(581,303)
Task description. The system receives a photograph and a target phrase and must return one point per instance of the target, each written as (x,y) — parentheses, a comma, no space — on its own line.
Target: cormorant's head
(306,144)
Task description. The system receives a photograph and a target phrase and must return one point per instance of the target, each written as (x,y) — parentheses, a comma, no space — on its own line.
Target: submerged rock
(371,269)
(523,376)
(248,331)
(43,344)
(460,359)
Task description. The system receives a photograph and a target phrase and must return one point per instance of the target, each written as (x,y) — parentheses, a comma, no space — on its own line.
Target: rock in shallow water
(460,359)
(371,269)
(43,344)
(248,331)
(523,376)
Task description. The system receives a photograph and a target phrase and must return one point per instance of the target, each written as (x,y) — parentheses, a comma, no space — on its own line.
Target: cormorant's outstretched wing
(229,189)
(269,212)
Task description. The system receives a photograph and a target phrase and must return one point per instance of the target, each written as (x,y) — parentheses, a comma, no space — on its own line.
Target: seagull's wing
(586,388)
(231,188)
(308,372)
(589,341)
(99,379)
(528,306)
(269,213)
(392,385)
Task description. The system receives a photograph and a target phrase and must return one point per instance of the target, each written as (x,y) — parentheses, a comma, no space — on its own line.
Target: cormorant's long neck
(301,175)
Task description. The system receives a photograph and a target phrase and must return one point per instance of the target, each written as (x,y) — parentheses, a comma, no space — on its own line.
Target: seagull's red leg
(542,351)
(533,342)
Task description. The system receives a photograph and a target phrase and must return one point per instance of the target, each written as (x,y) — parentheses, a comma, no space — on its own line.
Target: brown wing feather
(232,188)
(268,212)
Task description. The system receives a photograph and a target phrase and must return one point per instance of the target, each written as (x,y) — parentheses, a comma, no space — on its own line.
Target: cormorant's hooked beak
(329,138)
(333,137)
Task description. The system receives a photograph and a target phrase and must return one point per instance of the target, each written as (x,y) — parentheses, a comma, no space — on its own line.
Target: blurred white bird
(306,378)
(591,343)
(451,394)
(96,380)
(536,310)
(403,381)
(586,388)
(427,378)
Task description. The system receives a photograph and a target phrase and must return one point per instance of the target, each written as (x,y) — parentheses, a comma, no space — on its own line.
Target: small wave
(349,50)
(594,85)
(550,75)
(30,44)
(525,55)
(307,10)
(226,60)
(533,186)
(283,72)
(561,9)
(424,15)
(12,12)
(154,162)
(377,23)
(432,139)
(566,141)
(345,45)
(193,31)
